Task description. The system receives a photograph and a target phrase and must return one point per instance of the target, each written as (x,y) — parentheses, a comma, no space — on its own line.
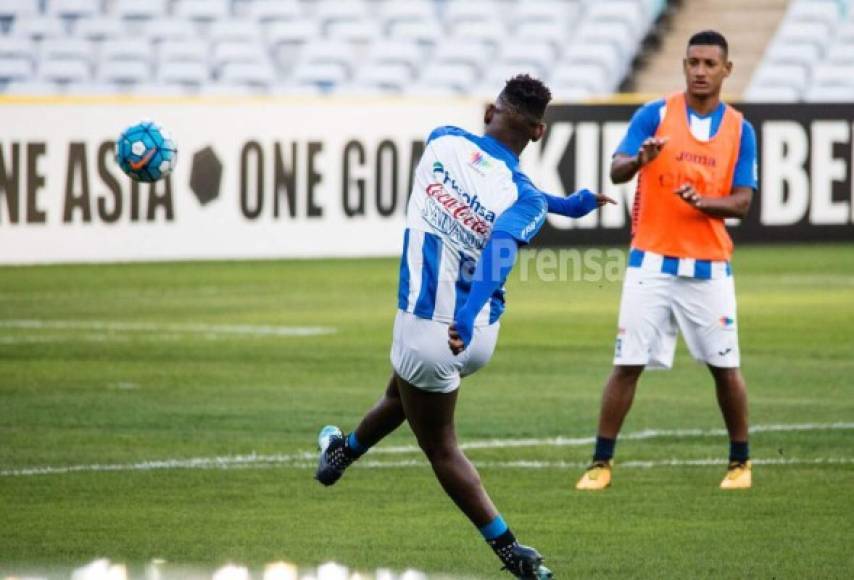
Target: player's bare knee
(439,451)
(727,378)
(626,374)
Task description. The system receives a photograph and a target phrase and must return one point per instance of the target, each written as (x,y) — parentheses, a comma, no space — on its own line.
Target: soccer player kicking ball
(471,208)
(696,160)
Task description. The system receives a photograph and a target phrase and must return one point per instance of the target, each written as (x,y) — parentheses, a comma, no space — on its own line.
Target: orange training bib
(664,223)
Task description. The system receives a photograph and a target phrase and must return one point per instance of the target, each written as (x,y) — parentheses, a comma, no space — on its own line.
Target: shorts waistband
(687,267)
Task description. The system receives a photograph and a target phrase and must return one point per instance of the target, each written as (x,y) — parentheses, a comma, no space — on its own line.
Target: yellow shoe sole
(739,477)
(595,479)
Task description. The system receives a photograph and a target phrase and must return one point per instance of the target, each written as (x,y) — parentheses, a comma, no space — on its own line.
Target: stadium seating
(305,46)
(15,69)
(64,70)
(133,9)
(29,87)
(18,8)
(203,10)
(189,74)
(73,8)
(100,28)
(426,32)
(270,10)
(388,76)
(170,51)
(403,51)
(38,27)
(811,57)
(172,29)
(17,46)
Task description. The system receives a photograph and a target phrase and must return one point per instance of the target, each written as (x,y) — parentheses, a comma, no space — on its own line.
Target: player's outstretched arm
(623,167)
(577,205)
(516,226)
(495,263)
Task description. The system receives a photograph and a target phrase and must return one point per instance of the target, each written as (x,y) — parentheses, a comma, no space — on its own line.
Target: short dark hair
(527,96)
(710,37)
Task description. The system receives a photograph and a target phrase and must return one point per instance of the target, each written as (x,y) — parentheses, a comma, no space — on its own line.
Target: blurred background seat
(204,10)
(100,28)
(271,10)
(74,8)
(18,8)
(38,27)
(135,9)
(183,73)
(15,68)
(64,70)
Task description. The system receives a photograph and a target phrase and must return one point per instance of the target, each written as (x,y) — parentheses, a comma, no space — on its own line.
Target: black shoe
(524,562)
(333,458)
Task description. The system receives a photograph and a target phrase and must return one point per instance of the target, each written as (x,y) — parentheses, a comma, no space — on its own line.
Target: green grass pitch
(141,371)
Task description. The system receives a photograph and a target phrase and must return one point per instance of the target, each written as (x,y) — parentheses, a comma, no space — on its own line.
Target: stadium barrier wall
(270,178)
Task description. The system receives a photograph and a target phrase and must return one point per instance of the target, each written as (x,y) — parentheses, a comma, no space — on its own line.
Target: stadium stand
(804,49)
(582,47)
(811,57)
(748,27)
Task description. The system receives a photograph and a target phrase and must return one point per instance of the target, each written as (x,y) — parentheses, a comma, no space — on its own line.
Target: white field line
(638,435)
(43,339)
(227,462)
(235,329)
(527,464)
(271,462)
(306,459)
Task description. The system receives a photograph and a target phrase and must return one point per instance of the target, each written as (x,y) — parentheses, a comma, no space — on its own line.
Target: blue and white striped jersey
(465,187)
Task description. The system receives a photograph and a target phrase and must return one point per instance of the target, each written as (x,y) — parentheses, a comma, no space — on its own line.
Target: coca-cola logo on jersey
(457,208)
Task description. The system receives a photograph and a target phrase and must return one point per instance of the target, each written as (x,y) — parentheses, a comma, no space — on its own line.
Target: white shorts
(655,306)
(421,356)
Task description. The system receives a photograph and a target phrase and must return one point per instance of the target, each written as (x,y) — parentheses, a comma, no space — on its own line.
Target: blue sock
(493,529)
(739,451)
(356,449)
(604,449)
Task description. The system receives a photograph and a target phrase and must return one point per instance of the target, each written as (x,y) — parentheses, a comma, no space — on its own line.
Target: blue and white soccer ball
(146,152)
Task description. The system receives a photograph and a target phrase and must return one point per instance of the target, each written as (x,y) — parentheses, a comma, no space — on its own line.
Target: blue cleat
(333,458)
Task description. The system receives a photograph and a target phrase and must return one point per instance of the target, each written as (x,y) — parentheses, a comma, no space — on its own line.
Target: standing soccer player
(471,208)
(696,160)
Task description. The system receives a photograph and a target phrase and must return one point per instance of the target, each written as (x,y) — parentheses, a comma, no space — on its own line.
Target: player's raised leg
(732,399)
(431,416)
(338,452)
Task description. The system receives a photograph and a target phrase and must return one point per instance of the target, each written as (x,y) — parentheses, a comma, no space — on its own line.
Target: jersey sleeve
(523,219)
(746,167)
(643,125)
(577,205)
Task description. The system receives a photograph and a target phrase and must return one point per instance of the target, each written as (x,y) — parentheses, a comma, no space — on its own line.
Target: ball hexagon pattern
(145,152)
